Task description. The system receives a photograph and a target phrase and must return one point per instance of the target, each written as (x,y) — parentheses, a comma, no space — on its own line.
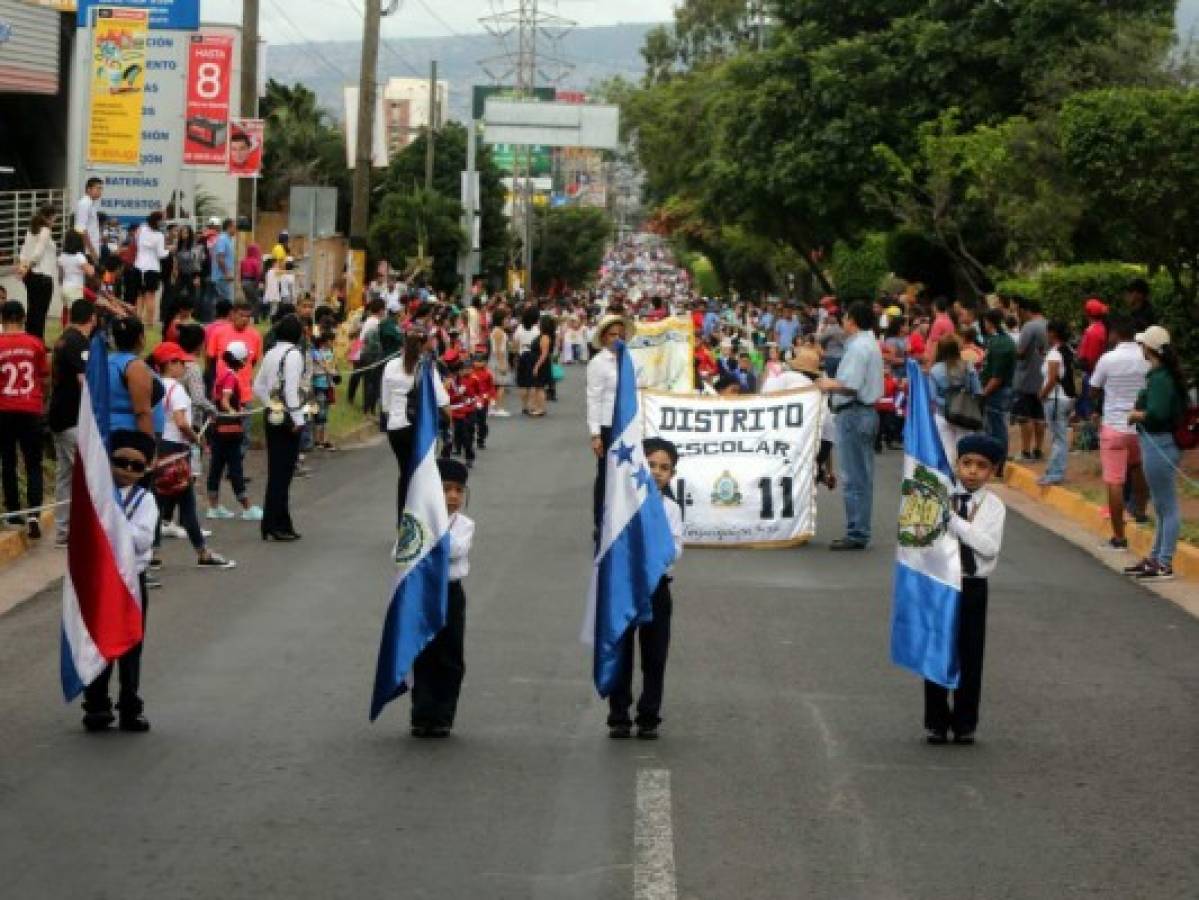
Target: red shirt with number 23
(23,369)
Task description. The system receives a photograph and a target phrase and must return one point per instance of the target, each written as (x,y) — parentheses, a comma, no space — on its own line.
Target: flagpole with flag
(101,602)
(928,570)
(635,545)
(420,599)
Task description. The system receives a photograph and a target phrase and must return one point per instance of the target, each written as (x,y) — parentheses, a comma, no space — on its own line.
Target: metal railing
(16,209)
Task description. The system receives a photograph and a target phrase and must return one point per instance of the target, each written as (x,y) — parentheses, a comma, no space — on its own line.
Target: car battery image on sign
(209,72)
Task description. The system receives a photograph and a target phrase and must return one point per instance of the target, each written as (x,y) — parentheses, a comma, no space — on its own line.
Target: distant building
(406,110)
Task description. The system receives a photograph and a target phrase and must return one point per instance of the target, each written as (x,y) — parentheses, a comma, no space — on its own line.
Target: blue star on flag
(624,454)
(643,477)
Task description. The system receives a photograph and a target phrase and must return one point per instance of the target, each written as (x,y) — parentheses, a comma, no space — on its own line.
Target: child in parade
(438,671)
(662,457)
(227,439)
(462,410)
(483,387)
(130,458)
(977,522)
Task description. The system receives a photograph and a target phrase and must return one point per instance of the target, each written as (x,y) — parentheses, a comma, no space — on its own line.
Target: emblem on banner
(923,509)
(726,491)
(411,540)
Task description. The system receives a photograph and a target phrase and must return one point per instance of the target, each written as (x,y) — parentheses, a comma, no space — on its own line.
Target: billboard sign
(551,124)
(177,15)
(117,80)
(480,93)
(209,74)
(246,138)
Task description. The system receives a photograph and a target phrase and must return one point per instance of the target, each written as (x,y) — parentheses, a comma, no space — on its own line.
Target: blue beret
(452,470)
(983,445)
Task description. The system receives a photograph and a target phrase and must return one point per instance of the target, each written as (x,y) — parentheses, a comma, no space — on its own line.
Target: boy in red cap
(1092,346)
(483,387)
(462,410)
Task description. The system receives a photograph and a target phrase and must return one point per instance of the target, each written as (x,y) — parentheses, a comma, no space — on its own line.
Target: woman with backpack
(1057,399)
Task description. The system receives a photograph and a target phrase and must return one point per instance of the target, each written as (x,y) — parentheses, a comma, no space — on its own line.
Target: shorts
(1028,407)
(1117,451)
(150,280)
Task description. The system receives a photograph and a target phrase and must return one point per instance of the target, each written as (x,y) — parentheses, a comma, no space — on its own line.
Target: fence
(16,209)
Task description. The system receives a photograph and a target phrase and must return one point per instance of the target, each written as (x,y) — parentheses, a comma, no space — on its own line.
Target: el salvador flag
(635,546)
(422,551)
(928,571)
(101,601)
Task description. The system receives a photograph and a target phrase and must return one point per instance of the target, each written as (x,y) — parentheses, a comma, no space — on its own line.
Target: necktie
(969,563)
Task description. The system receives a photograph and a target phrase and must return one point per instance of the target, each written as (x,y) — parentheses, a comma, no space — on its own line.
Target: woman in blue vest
(134,391)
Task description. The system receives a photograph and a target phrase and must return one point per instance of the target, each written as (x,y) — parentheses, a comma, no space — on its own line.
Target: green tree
(420,223)
(568,245)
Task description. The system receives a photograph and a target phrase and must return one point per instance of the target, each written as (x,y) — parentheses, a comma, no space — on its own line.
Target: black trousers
(601,476)
(21,431)
(438,671)
(655,645)
(463,431)
(129,702)
(39,291)
(401,445)
(482,429)
(282,451)
(972,639)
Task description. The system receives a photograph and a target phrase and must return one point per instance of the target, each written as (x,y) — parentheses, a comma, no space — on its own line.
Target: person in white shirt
(1118,377)
(662,457)
(277,386)
(151,251)
(73,267)
(976,520)
(87,217)
(438,670)
(526,335)
(1056,402)
(37,265)
(130,455)
(602,376)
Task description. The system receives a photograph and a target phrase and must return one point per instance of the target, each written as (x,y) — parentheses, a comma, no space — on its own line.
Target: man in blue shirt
(855,390)
(711,321)
(223,254)
(785,329)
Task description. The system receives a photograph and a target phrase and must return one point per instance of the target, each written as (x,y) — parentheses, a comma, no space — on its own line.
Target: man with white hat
(602,376)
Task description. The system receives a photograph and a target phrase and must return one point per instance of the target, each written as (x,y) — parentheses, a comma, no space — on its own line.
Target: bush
(1063,291)
(858,271)
(1018,287)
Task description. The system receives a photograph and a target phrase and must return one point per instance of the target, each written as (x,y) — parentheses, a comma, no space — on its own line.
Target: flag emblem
(726,491)
(923,509)
(414,537)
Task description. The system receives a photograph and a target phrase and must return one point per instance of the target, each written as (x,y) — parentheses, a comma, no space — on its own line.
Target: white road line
(653,838)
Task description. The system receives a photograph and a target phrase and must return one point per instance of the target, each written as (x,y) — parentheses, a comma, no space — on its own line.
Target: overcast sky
(294,21)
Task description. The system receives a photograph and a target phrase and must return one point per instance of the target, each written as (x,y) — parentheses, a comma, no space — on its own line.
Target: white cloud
(292,21)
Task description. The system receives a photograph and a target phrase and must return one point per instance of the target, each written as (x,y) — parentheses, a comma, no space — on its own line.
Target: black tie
(969,564)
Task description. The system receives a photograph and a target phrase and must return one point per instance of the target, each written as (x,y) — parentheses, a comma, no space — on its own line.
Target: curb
(15,543)
(1089,515)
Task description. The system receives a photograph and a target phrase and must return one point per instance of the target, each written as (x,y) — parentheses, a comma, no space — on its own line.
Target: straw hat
(807,361)
(630,328)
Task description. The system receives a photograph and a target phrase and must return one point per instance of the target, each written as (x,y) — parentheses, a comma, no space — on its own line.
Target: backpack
(1067,379)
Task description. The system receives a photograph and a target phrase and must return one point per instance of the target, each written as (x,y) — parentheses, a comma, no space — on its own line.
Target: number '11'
(786,485)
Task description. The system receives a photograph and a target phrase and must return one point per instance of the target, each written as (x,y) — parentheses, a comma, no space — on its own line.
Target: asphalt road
(791,764)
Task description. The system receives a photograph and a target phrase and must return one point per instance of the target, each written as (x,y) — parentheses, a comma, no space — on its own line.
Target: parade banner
(747,465)
(245,147)
(118,75)
(209,73)
(664,354)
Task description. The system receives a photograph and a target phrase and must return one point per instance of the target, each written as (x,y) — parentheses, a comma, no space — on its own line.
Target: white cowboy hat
(630,328)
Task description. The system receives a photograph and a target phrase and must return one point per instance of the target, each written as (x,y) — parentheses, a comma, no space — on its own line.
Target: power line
(311,46)
(383,43)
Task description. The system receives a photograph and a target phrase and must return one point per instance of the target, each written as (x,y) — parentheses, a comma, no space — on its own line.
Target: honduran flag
(928,571)
(635,544)
(420,600)
(101,603)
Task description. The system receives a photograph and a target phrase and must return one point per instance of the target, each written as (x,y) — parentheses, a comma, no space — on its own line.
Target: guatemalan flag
(101,603)
(635,545)
(419,602)
(928,571)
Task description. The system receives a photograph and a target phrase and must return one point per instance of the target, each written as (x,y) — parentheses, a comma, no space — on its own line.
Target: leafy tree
(420,223)
(568,245)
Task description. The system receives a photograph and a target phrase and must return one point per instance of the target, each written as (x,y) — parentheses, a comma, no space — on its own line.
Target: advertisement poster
(118,77)
(747,465)
(245,147)
(175,15)
(206,126)
(664,353)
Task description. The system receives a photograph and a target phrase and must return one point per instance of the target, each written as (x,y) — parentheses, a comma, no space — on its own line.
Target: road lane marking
(653,838)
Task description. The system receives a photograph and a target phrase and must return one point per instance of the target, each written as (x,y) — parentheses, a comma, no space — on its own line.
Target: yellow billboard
(118,77)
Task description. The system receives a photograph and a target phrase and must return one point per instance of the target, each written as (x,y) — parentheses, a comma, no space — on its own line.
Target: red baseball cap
(450,357)
(1095,308)
(169,351)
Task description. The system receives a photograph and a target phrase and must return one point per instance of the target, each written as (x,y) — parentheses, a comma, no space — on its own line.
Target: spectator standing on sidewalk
(1031,347)
(68,368)
(999,368)
(24,370)
(87,218)
(1057,399)
(36,266)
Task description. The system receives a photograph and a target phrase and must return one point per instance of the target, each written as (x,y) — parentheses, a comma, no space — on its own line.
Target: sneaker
(647,732)
(218,512)
(1156,572)
(178,532)
(501,413)
(936,737)
(1140,567)
(303,472)
(1117,544)
(214,561)
(253,514)
(34,526)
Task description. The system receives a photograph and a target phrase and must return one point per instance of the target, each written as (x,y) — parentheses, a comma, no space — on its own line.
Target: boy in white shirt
(130,457)
(977,522)
(662,457)
(438,671)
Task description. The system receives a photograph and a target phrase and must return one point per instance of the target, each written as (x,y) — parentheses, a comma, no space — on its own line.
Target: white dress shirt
(1121,373)
(394,393)
(674,515)
(602,376)
(151,249)
(39,253)
(287,359)
(87,220)
(981,530)
(462,535)
(141,510)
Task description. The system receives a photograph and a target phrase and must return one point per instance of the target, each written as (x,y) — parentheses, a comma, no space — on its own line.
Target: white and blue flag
(635,546)
(422,552)
(928,571)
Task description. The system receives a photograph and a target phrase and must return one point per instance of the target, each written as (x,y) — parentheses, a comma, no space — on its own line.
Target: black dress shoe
(846,544)
(620,732)
(284,536)
(136,724)
(647,732)
(937,738)
(98,721)
(439,731)
(966,738)
(420,731)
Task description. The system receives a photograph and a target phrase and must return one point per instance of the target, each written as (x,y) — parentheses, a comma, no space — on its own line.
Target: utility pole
(429,132)
(249,97)
(360,209)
